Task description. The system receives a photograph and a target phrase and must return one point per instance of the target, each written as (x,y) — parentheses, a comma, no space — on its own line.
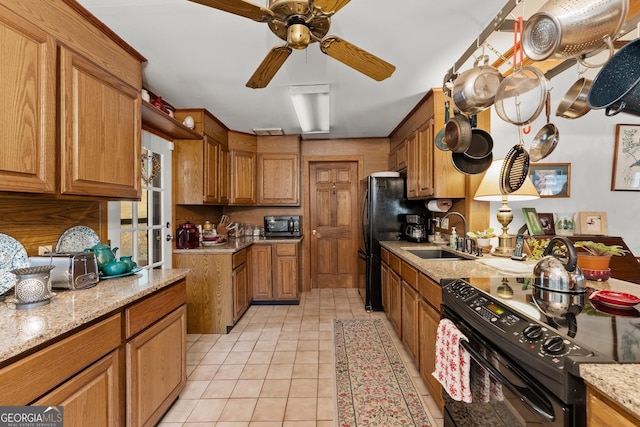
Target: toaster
(73,270)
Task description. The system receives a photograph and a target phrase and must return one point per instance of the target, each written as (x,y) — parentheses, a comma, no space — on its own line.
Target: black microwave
(283,226)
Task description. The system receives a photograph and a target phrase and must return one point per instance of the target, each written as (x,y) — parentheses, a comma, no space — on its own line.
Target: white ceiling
(202,57)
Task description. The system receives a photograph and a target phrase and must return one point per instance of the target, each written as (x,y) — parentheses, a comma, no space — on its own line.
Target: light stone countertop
(234,245)
(22,330)
(619,381)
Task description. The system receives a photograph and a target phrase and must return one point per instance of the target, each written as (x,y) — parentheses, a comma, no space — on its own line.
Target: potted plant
(482,236)
(597,255)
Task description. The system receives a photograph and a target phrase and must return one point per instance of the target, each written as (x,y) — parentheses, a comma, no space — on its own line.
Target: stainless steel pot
(475,89)
(616,87)
(572,28)
(556,275)
(574,104)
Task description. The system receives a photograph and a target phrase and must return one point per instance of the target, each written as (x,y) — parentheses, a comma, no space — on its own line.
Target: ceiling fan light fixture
(311,103)
(298,36)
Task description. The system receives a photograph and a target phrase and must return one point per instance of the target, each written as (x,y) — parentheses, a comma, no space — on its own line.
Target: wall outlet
(444,223)
(42,250)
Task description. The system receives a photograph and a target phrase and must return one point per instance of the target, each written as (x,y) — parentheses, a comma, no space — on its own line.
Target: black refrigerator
(384,205)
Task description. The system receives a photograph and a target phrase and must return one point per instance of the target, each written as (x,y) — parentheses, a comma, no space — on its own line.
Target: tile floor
(275,368)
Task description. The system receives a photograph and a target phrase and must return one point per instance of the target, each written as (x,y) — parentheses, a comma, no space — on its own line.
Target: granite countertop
(237,244)
(21,330)
(616,380)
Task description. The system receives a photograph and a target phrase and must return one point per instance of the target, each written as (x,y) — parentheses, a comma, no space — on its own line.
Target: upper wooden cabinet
(420,162)
(28,87)
(68,72)
(243,179)
(201,166)
(279,170)
(100,138)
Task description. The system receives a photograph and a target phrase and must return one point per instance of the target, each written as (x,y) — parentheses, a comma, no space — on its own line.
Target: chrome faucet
(464,223)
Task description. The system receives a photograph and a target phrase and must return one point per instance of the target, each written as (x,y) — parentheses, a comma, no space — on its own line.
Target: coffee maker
(415,228)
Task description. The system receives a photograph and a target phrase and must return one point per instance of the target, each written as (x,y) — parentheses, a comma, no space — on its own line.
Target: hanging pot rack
(550,67)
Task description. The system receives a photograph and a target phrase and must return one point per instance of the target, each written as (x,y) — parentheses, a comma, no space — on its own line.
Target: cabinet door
(223,174)
(428,319)
(261,272)
(425,146)
(28,87)
(100,131)
(278,179)
(410,320)
(601,411)
(401,156)
(243,178)
(384,279)
(240,282)
(211,172)
(188,172)
(92,397)
(286,272)
(395,301)
(412,150)
(156,368)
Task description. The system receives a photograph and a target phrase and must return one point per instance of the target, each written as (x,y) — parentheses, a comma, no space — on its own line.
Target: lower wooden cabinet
(410,321)
(601,411)
(275,271)
(428,319)
(156,368)
(125,369)
(384,281)
(395,301)
(240,281)
(91,397)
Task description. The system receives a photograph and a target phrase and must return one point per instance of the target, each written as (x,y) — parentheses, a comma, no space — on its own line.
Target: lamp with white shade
(489,191)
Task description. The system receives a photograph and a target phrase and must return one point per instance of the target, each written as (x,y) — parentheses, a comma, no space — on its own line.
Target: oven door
(504,394)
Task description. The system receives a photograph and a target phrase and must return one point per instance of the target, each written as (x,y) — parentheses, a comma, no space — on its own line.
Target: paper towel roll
(439,205)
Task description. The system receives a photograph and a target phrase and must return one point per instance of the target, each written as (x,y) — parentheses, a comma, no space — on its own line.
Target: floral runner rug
(373,386)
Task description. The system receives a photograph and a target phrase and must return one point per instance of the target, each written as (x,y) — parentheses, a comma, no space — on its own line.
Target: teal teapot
(104,254)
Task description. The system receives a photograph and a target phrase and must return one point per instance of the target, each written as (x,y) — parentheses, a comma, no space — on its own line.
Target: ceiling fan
(300,23)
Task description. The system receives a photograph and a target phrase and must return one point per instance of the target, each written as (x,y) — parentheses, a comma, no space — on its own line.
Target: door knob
(169,237)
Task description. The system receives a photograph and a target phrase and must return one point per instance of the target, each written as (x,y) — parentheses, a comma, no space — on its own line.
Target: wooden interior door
(333,189)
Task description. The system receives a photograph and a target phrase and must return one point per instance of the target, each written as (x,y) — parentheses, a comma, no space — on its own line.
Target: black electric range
(510,315)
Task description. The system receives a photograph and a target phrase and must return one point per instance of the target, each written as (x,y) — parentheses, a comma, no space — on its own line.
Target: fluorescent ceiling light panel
(311,104)
(268,131)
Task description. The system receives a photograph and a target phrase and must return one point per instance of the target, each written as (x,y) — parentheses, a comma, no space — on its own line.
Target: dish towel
(452,361)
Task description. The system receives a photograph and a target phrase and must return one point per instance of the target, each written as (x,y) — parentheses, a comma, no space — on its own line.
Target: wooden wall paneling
(35,221)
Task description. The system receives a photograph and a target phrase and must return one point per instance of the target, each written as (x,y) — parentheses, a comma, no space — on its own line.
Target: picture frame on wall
(625,175)
(548,226)
(533,222)
(551,179)
(592,223)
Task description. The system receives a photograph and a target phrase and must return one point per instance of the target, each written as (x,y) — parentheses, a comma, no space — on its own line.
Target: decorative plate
(615,299)
(77,239)
(12,255)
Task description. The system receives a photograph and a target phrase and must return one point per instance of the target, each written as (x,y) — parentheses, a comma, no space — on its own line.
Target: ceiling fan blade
(356,58)
(329,7)
(241,8)
(269,66)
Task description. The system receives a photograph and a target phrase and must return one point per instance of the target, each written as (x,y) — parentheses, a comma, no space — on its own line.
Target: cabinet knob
(314,232)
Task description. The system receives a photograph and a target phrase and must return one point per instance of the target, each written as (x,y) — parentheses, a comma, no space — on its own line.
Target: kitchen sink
(436,254)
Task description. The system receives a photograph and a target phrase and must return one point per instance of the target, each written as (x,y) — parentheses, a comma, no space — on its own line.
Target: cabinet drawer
(239,258)
(394,263)
(153,308)
(34,375)
(286,249)
(410,275)
(384,255)
(430,291)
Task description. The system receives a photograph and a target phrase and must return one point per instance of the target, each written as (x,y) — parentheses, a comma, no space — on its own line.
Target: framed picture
(592,223)
(551,179)
(546,220)
(533,222)
(626,159)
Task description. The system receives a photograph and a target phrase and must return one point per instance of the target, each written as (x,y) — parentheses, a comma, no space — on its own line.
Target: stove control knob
(533,332)
(554,345)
